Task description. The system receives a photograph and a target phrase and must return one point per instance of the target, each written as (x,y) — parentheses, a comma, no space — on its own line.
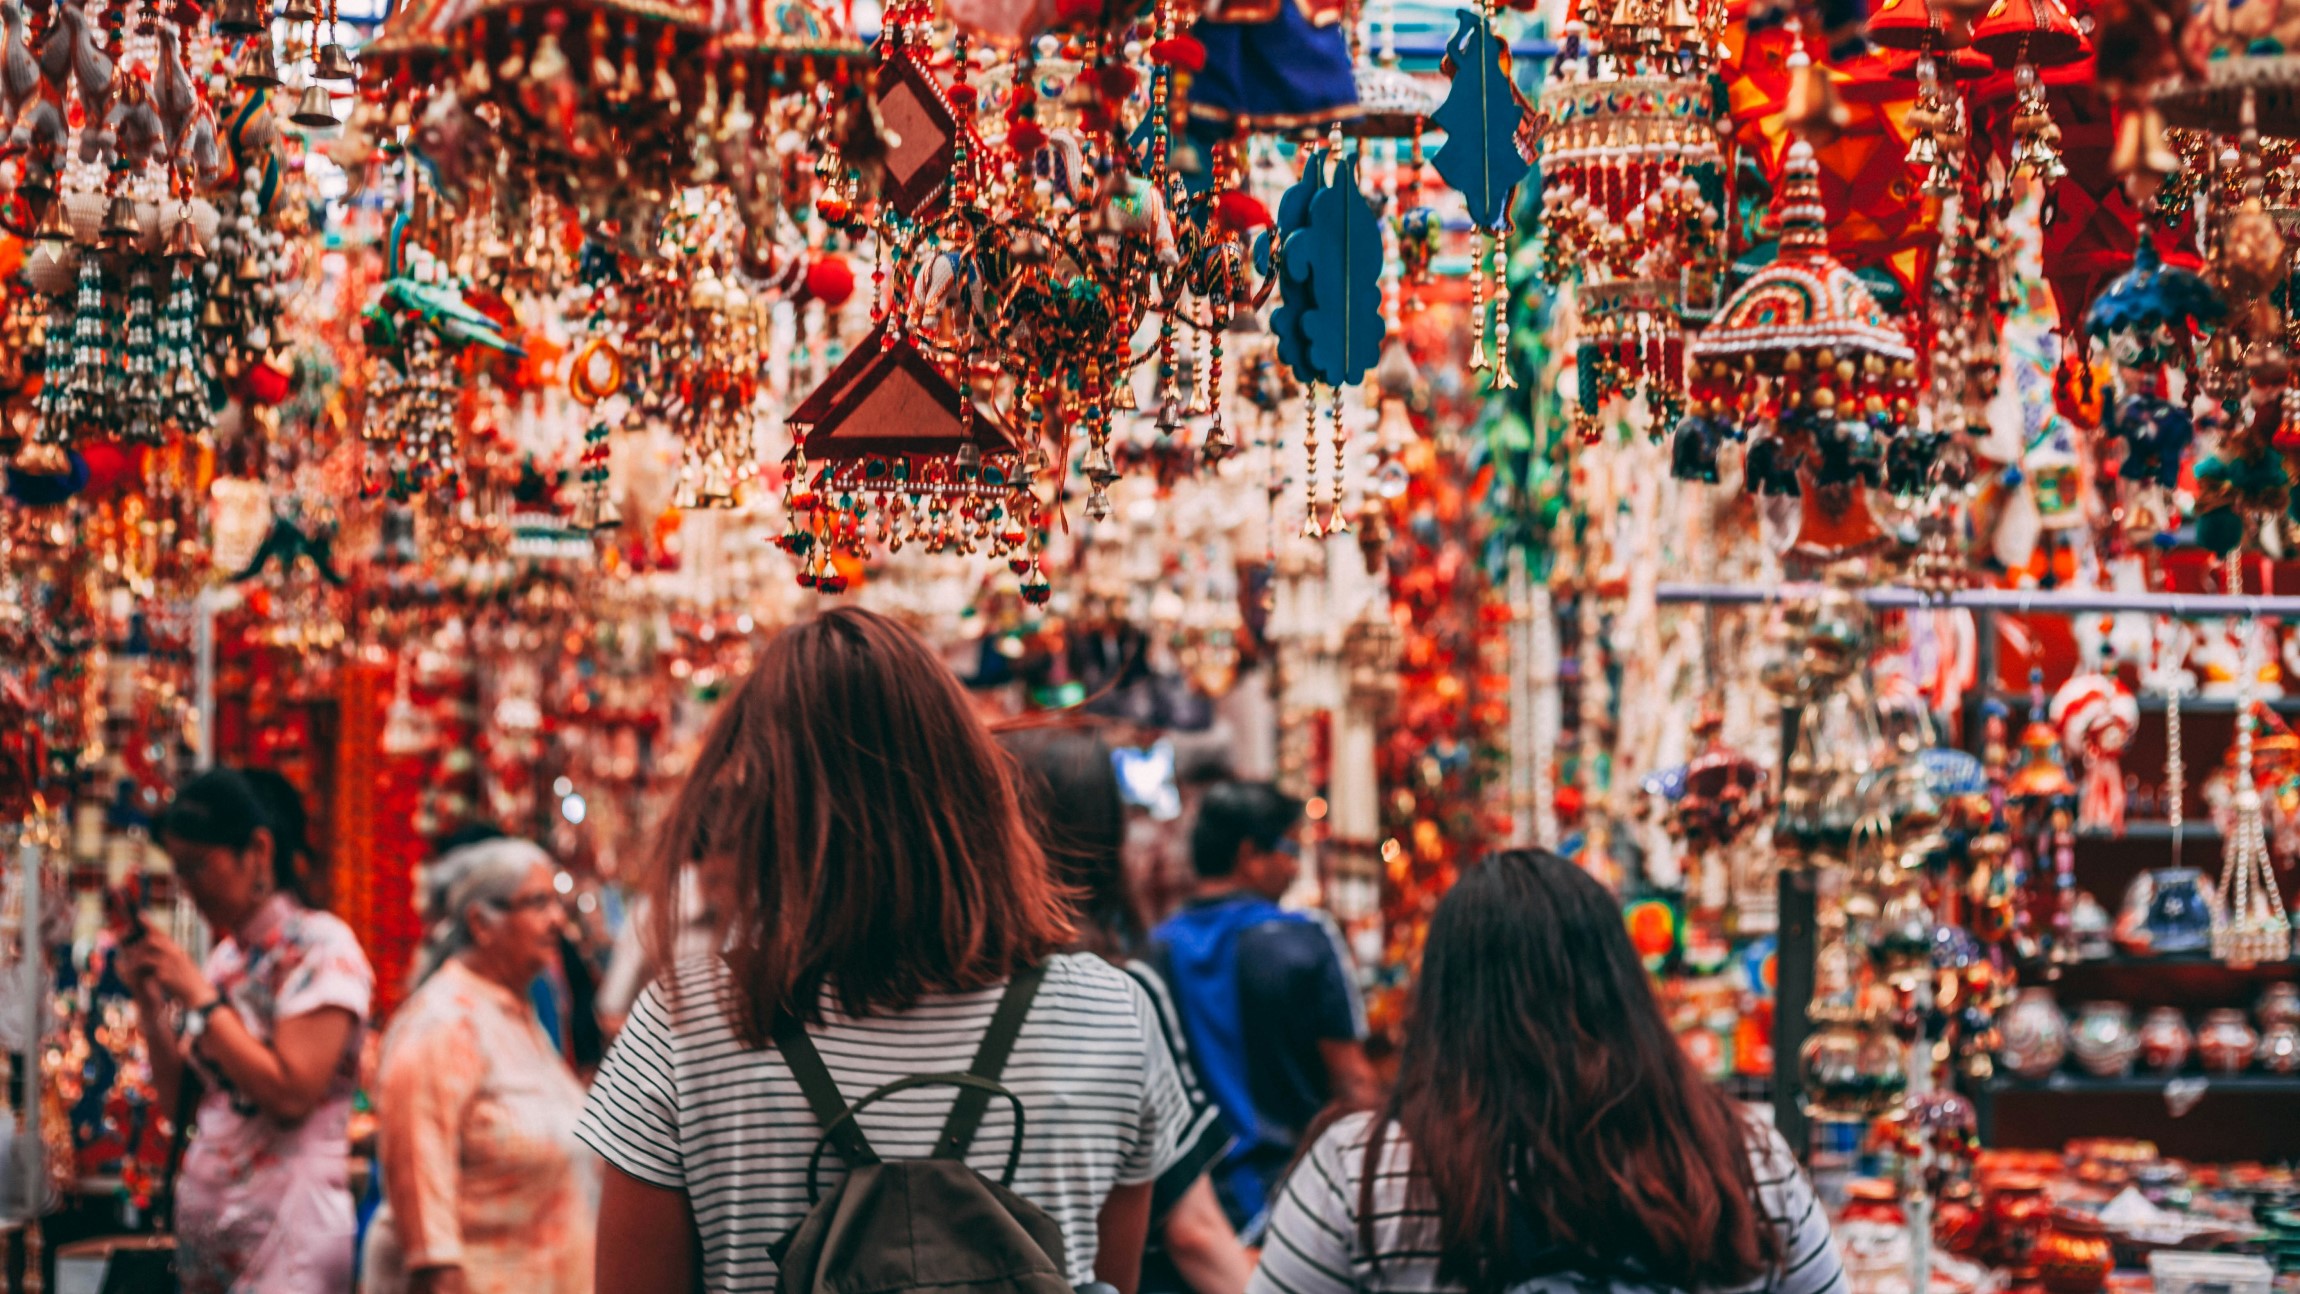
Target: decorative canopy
(1806,299)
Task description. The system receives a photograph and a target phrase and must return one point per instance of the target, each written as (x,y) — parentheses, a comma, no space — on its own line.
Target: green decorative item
(1480,159)
(1339,253)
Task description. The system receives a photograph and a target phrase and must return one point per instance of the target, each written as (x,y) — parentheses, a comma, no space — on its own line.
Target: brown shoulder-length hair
(870,829)
(1538,1084)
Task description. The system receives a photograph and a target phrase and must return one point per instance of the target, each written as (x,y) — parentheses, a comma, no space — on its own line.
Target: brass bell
(251,269)
(226,289)
(120,224)
(184,241)
(316,109)
(259,69)
(212,315)
(334,64)
(299,11)
(240,18)
(39,182)
(55,225)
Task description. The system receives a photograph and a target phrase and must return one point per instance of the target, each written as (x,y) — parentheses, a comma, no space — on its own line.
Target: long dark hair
(1071,788)
(225,807)
(871,828)
(1538,1081)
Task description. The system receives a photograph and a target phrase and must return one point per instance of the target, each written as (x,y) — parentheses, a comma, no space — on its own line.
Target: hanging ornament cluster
(1631,180)
(115,143)
(1328,323)
(614,103)
(1804,363)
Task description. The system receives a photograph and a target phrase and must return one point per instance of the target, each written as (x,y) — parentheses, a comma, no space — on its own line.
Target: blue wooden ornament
(1340,253)
(1294,299)
(1480,117)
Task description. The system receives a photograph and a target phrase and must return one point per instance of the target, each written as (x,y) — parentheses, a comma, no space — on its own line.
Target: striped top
(1314,1239)
(681,1103)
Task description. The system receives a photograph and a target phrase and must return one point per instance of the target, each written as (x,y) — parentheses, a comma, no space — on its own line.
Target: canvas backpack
(898,1226)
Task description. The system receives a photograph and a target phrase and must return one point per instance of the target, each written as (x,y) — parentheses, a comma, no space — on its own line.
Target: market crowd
(902,1028)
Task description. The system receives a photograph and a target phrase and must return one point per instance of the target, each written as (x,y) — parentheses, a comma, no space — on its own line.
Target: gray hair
(490,871)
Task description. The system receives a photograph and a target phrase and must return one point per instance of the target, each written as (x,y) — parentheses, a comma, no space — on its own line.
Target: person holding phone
(269,1026)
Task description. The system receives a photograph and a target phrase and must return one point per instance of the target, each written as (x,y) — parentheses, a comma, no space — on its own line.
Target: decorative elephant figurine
(1772,468)
(1693,448)
(2156,434)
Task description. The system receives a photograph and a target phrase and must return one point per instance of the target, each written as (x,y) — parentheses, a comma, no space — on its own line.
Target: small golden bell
(212,315)
(299,11)
(240,18)
(259,70)
(120,223)
(55,225)
(334,64)
(316,109)
(184,241)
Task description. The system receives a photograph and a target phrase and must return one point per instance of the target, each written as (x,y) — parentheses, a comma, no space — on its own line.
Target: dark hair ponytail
(225,806)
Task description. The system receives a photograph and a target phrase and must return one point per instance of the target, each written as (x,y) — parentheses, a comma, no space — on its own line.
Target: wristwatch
(195,1022)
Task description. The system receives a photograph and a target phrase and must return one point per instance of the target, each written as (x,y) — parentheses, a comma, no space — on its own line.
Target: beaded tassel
(1503,379)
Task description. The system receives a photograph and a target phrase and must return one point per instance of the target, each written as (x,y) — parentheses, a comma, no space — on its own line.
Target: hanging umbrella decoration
(1631,178)
(1481,117)
(1804,359)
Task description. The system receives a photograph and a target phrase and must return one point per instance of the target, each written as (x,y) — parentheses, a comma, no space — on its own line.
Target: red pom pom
(1025,137)
(1185,52)
(830,280)
(1241,213)
(263,384)
(110,464)
(1116,81)
(961,94)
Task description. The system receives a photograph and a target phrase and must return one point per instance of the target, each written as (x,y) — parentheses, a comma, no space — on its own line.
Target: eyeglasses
(525,902)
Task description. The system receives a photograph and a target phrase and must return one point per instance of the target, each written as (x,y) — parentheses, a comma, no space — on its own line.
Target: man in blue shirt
(1267,998)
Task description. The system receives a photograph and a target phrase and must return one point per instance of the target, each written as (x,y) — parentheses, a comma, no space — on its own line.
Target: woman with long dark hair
(1546,1129)
(884,890)
(270,1024)
(1072,788)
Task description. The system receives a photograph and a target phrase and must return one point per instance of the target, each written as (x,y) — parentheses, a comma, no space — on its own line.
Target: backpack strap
(989,1062)
(822,1091)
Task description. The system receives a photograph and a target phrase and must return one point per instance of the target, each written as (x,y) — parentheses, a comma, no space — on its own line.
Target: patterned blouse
(264,1206)
(476,1134)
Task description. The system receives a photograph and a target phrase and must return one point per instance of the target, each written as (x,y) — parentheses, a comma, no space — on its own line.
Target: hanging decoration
(1482,117)
(1632,180)
(1803,362)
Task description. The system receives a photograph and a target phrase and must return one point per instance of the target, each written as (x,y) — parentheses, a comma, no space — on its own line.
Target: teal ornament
(1340,253)
(1294,299)
(2219,530)
(1480,117)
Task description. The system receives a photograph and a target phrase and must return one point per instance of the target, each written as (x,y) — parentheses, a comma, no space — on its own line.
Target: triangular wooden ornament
(895,403)
(922,133)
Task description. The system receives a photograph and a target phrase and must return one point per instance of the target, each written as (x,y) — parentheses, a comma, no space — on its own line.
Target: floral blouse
(264,1206)
(476,1134)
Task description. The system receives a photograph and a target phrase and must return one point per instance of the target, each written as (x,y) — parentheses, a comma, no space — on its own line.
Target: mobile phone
(124,909)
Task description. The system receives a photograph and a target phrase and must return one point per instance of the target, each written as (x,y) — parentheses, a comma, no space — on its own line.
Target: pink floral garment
(476,1134)
(263,1206)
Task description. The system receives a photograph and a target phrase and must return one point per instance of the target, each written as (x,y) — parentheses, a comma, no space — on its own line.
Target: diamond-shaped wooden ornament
(922,137)
(887,400)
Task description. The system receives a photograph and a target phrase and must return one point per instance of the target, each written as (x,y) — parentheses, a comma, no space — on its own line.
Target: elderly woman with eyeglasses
(486,1190)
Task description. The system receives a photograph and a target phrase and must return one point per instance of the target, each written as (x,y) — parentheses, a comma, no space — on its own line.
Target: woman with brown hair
(884,887)
(1546,1132)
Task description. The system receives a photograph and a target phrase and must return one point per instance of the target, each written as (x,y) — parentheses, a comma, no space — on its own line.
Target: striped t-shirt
(681,1103)
(1314,1243)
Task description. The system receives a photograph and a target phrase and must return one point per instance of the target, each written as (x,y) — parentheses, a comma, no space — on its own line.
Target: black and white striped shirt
(1314,1242)
(682,1104)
